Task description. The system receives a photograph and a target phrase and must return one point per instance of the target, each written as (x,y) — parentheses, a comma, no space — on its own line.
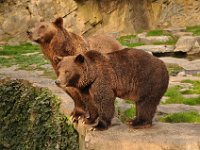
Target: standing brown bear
(57,41)
(128,74)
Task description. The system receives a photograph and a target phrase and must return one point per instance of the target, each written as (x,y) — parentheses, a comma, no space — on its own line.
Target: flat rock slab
(184,63)
(142,37)
(156,48)
(176,108)
(162,136)
(189,44)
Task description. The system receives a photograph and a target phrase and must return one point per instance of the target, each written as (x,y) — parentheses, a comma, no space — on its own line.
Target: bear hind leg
(145,111)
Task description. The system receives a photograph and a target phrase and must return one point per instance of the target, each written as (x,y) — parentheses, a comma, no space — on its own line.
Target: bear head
(43,32)
(74,71)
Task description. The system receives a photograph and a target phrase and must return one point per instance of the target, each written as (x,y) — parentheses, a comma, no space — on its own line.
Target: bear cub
(129,74)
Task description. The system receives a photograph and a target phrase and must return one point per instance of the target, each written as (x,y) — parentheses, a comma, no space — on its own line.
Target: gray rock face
(184,63)
(176,108)
(188,44)
(162,136)
(152,39)
(80,16)
(157,48)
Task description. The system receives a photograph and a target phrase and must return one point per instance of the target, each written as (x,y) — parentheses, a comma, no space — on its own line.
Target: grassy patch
(189,117)
(157,32)
(194,29)
(176,97)
(174,69)
(195,89)
(19,49)
(14,55)
(127,41)
(127,114)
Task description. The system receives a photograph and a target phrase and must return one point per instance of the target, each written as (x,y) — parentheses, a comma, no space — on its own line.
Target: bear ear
(59,22)
(80,59)
(57,59)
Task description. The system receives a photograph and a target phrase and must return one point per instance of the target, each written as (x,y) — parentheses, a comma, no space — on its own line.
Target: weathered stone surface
(152,39)
(94,16)
(157,48)
(188,44)
(176,13)
(184,63)
(82,17)
(176,108)
(162,136)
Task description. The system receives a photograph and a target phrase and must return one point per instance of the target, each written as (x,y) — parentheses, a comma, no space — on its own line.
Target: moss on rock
(30,119)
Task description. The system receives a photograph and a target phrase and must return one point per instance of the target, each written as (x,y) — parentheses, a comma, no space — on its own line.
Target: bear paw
(100,125)
(139,123)
(76,116)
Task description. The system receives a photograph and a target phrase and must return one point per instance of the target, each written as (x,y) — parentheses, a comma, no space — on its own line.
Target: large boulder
(188,44)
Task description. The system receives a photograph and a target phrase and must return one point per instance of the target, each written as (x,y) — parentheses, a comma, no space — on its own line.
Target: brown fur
(128,74)
(57,41)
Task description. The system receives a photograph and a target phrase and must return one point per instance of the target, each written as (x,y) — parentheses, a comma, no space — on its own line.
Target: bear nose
(28,32)
(57,82)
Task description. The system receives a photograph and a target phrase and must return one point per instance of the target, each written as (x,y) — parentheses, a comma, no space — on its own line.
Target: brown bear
(129,74)
(57,41)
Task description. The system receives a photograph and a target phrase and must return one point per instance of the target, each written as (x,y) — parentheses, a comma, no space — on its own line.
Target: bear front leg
(79,106)
(90,109)
(104,102)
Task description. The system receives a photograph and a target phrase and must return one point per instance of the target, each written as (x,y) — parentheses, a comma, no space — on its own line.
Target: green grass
(195,89)
(186,117)
(19,49)
(127,114)
(126,41)
(156,32)
(14,55)
(174,69)
(194,29)
(176,97)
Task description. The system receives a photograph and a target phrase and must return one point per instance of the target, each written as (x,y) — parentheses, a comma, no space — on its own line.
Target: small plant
(157,32)
(194,29)
(189,117)
(127,114)
(174,69)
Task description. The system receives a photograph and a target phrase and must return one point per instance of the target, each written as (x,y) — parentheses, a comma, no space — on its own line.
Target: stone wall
(176,13)
(95,16)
